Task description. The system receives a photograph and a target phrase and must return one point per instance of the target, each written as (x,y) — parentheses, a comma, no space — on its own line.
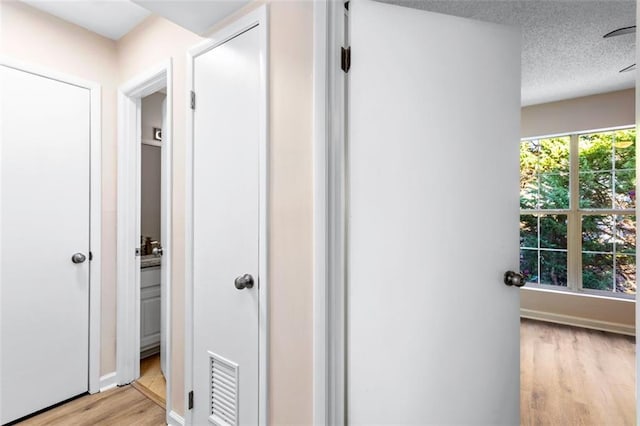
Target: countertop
(150,261)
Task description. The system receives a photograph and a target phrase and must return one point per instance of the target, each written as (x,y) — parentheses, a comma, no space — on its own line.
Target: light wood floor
(123,406)
(152,382)
(574,376)
(569,376)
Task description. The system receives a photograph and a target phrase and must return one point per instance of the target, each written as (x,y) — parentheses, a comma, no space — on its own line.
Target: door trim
(256,18)
(637,123)
(329,294)
(320,206)
(95,202)
(130,97)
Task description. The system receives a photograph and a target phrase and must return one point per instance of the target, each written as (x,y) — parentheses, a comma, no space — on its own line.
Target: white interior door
(433,332)
(226,176)
(164,296)
(44,221)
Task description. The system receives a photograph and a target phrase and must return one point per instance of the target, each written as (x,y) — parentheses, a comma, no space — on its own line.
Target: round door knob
(157,251)
(78,258)
(244,281)
(514,279)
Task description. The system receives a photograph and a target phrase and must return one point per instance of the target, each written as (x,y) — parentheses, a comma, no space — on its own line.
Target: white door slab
(433,332)
(226,213)
(164,278)
(44,216)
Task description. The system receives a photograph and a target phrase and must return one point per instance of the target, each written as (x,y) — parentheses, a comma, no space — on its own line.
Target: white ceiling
(194,15)
(115,18)
(564,55)
(109,18)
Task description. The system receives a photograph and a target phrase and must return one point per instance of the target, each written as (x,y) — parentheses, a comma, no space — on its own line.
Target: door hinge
(190,404)
(137,251)
(193,100)
(90,256)
(345,59)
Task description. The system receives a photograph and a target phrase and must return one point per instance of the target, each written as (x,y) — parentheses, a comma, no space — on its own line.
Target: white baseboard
(175,419)
(611,327)
(108,381)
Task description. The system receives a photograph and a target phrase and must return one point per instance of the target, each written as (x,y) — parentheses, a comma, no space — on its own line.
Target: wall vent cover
(224,391)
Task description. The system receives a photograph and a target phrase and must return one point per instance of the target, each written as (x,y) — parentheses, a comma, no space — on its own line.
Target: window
(577,212)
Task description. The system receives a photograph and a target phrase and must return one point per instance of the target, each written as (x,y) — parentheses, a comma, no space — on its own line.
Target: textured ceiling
(564,55)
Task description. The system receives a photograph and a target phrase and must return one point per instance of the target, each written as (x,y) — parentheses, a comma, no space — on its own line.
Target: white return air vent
(224,391)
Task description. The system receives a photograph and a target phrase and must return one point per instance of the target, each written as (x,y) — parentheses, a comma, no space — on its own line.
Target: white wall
(587,113)
(151,167)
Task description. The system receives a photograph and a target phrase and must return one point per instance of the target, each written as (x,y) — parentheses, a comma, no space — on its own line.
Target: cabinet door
(150,308)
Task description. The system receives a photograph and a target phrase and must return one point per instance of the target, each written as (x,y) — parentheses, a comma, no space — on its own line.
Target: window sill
(529,287)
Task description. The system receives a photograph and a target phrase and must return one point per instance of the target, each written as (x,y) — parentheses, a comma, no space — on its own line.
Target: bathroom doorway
(152,381)
(144,234)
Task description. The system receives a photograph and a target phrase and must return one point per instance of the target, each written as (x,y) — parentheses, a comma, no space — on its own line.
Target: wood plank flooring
(123,406)
(569,376)
(575,376)
(152,382)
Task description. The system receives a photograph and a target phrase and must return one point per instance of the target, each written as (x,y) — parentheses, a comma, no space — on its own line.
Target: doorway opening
(152,381)
(144,234)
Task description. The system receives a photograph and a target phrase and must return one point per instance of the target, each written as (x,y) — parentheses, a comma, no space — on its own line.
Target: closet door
(44,242)
(226,232)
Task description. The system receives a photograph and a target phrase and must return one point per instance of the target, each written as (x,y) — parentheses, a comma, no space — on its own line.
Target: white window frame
(574,218)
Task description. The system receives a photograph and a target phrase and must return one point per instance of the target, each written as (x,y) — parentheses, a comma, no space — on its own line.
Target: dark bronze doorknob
(514,279)
(244,281)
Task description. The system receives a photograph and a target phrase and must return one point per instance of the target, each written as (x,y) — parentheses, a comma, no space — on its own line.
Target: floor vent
(224,391)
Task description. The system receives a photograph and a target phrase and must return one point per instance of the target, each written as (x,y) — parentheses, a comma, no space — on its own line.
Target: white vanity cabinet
(150,308)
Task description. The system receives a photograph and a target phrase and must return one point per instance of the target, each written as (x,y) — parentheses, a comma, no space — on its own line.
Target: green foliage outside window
(605,203)
(544,174)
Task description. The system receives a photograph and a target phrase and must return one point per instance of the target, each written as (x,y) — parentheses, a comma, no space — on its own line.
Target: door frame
(329,226)
(95,203)
(256,18)
(130,96)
